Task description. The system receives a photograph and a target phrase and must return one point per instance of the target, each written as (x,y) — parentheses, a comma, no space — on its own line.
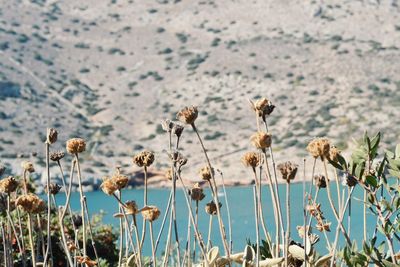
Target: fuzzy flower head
(206,173)
(31,203)
(28,166)
(76,145)
(188,115)
(108,186)
(52,135)
(57,156)
(8,185)
(261,140)
(251,159)
(288,170)
(211,208)
(320,181)
(151,213)
(120,181)
(131,208)
(196,193)
(144,159)
(319,147)
(263,107)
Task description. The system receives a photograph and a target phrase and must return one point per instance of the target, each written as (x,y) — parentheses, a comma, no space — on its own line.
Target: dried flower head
(86,260)
(334,152)
(263,107)
(77,220)
(314,209)
(167,125)
(196,192)
(169,174)
(288,170)
(28,166)
(31,203)
(121,181)
(319,147)
(206,173)
(261,140)
(76,145)
(151,213)
(320,181)
(251,159)
(349,180)
(71,246)
(108,186)
(144,159)
(188,115)
(211,208)
(2,169)
(177,129)
(323,226)
(8,185)
(54,188)
(57,156)
(52,135)
(131,208)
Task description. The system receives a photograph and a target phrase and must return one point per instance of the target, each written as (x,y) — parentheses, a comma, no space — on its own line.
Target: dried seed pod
(263,107)
(319,147)
(52,135)
(57,156)
(177,129)
(131,208)
(86,260)
(54,188)
(211,208)
(108,186)
(8,185)
(121,181)
(77,220)
(151,213)
(261,140)
(206,173)
(349,180)
(76,145)
(31,203)
(251,159)
(144,159)
(320,181)
(288,170)
(196,193)
(28,166)
(188,115)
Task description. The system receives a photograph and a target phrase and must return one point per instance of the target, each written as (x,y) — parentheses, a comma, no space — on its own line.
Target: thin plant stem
(257,215)
(196,225)
(5,249)
(164,219)
(365,216)
(145,204)
(153,251)
(121,238)
(287,234)
(228,212)
(90,229)
(304,213)
(21,250)
(29,222)
(82,206)
(48,249)
(138,256)
(210,221)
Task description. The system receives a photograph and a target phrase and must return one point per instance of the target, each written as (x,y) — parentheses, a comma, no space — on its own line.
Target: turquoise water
(242,213)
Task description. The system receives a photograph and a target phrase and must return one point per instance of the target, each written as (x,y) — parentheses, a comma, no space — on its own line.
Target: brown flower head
(206,173)
(196,192)
(31,203)
(108,186)
(288,170)
(349,180)
(314,209)
(320,181)
(319,147)
(333,153)
(54,188)
(177,129)
(151,213)
(263,107)
(251,159)
(188,115)
(77,220)
(57,156)
(86,260)
(169,174)
(28,166)
(76,145)
(144,159)
(52,135)
(261,140)
(8,185)
(121,181)
(323,226)
(131,208)
(211,208)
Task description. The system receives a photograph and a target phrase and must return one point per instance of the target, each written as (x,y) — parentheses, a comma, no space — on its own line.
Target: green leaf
(359,155)
(359,170)
(371,180)
(335,164)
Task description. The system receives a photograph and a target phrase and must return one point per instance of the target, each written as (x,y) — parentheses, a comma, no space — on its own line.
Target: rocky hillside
(110,71)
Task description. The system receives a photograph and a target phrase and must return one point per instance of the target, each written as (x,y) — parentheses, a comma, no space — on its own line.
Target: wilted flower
(76,145)
(323,226)
(77,220)
(319,147)
(320,181)
(8,185)
(151,213)
(177,129)
(261,140)
(211,208)
(54,188)
(86,260)
(57,156)
(108,186)
(288,170)
(121,181)
(144,159)
(251,159)
(131,208)
(28,166)
(263,107)
(188,115)
(196,192)
(206,173)
(51,136)
(31,203)
(349,180)
(333,153)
